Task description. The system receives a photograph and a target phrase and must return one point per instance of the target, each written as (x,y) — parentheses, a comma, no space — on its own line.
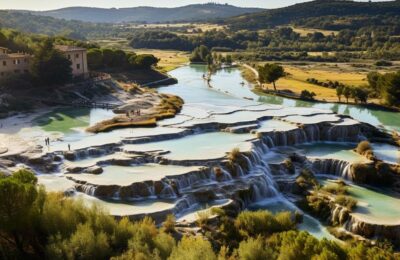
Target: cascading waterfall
(313,133)
(335,167)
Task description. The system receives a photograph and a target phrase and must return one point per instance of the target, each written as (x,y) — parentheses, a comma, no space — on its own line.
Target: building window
(77,56)
(4,63)
(26,71)
(78,66)
(16,62)
(17,71)
(1,73)
(69,56)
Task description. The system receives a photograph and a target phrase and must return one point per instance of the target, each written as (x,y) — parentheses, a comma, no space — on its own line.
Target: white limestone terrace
(127,209)
(386,152)
(55,183)
(123,175)
(204,146)
(331,150)
(114,137)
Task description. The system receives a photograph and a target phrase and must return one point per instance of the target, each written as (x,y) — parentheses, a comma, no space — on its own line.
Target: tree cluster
(36,224)
(386,86)
(111,58)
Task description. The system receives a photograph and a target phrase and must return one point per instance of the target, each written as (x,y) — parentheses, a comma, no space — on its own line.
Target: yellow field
(326,74)
(203,26)
(296,81)
(305,31)
(170,59)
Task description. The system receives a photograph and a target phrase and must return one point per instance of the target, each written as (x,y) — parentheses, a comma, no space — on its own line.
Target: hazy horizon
(42,6)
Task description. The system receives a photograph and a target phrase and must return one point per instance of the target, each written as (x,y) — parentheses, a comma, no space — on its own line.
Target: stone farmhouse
(19,63)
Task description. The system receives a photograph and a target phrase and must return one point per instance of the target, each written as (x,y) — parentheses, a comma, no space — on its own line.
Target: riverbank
(251,74)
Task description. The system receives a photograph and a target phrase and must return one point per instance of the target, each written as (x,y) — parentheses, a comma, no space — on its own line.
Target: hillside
(198,12)
(320,8)
(36,24)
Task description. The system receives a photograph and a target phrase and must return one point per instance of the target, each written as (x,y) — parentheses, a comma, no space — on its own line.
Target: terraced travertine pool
(194,136)
(373,204)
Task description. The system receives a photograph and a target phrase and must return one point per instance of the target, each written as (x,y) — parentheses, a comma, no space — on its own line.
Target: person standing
(69,147)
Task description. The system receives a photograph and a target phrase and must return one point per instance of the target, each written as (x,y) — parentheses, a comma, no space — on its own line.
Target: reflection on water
(227,82)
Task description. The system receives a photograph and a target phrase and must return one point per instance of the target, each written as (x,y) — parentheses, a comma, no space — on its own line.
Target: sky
(55,4)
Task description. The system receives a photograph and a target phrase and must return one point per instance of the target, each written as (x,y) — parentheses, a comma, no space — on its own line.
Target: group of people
(133,113)
(47,142)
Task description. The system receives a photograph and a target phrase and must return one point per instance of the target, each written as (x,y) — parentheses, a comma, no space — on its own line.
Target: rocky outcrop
(94,170)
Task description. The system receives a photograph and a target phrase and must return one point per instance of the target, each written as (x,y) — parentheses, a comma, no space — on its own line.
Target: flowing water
(226,102)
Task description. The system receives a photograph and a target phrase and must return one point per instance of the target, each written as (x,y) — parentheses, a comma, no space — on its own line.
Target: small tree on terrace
(270,73)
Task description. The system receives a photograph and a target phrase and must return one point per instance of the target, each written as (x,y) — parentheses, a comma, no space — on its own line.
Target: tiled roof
(66,48)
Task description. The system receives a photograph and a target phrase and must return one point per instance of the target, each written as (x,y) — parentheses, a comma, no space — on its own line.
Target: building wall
(79,63)
(10,64)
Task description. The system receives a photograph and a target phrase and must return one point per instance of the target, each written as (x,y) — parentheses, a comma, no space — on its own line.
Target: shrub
(319,206)
(202,217)
(363,147)
(169,224)
(262,222)
(335,188)
(193,248)
(307,95)
(346,201)
(383,63)
(254,249)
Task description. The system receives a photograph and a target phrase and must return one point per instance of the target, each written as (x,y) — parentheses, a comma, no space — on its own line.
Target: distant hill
(319,8)
(199,12)
(29,23)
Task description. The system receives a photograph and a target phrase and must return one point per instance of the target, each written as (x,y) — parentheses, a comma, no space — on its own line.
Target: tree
(255,249)
(360,94)
(200,54)
(193,248)
(95,58)
(108,57)
(146,61)
(17,196)
(373,79)
(270,73)
(347,93)
(339,92)
(50,66)
(390,88)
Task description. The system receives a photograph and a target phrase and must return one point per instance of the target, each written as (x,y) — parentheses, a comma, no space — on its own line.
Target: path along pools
(161,158)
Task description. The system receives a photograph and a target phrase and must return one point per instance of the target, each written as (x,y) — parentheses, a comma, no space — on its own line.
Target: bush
(254,249)
(193,248)
(383,63)
(262,222)
(169,224)
(307,95)
(335,188)
(363,147)
(346,201)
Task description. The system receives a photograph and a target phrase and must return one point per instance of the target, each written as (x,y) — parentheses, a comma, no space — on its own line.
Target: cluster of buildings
(19,63)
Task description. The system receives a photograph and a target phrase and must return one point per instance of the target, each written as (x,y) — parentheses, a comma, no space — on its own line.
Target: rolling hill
(199,12)
(319,8)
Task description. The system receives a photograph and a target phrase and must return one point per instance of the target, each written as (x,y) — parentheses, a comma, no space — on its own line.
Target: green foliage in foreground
(36,224)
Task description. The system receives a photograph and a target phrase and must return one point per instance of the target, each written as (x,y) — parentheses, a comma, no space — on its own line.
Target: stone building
(78,58)
(13,63)
(18,63)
